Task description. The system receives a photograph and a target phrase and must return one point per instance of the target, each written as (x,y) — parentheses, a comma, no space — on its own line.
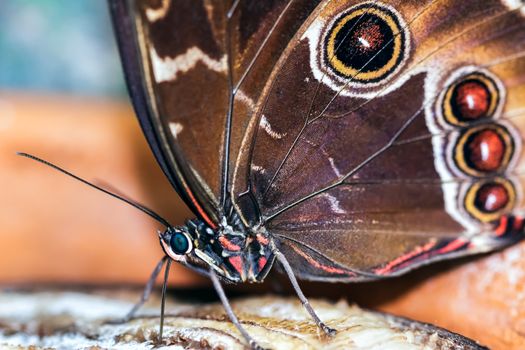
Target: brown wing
(355,162)
(195,69)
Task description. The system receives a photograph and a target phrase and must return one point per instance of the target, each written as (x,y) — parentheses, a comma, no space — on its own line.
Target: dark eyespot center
(366,44)
(179,243)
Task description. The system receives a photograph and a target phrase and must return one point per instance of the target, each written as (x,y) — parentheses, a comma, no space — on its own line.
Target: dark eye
(180,243)
(366,44)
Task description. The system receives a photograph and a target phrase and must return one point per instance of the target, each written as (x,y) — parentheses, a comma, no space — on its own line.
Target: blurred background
(63,98)
(59,46)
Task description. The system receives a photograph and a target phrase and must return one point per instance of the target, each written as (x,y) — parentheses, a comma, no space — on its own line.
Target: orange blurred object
(55,229)
(482,299)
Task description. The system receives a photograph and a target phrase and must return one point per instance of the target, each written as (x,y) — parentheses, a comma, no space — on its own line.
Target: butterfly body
(236,254)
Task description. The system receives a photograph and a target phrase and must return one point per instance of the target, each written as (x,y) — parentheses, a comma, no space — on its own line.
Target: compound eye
(180,243)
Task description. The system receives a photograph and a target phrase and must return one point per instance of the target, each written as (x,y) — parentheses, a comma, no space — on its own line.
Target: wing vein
(457,130)
(351,172)
(261,47)
(305,123)
(229,116)
(440,47)
(369,61)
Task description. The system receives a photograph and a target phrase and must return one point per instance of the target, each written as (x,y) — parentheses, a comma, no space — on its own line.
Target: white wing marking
(265,124)
(167,69)
(154,14)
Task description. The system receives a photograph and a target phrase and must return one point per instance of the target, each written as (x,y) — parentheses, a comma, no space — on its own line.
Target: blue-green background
(64,46)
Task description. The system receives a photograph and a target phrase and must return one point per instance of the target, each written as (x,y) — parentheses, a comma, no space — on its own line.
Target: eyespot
(470,98)
(485,149)
(365,44)
(487,201)
(180,243)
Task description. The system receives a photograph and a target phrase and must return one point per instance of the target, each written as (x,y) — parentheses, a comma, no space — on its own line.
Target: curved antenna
(134,204)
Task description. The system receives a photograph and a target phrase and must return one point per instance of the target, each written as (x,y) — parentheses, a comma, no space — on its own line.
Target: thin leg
(145,294)
(281,258)
(229,311)
(163,300)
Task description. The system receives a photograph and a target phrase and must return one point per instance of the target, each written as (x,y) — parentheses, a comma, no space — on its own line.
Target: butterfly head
(177,243)
(198,246)
(226,251)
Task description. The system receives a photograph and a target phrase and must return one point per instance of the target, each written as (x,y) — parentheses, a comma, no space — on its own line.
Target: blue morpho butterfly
(346,140)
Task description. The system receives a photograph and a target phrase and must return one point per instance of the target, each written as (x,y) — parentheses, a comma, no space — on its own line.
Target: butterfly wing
(388,136)
(150,47)
(349,158)
(187,64)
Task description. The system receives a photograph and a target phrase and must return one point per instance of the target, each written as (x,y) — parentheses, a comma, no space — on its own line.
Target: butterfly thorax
(235,253)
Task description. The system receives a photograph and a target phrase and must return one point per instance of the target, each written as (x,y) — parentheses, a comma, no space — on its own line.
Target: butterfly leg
(163,300)
(229,311)
(288,269)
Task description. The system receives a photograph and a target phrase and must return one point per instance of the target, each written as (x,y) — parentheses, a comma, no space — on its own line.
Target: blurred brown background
(62,98)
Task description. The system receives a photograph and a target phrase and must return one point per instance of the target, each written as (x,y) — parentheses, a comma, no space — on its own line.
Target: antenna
(134,204)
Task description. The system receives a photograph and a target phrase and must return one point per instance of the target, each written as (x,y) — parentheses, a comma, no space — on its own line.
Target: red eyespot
(491,197)
(485,150)
(471,100)
(488,201)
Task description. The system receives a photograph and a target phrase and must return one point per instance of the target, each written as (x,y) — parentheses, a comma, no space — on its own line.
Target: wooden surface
(54,229)
(72,320)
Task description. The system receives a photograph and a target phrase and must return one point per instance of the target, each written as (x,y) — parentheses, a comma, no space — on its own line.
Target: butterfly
(343,140)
